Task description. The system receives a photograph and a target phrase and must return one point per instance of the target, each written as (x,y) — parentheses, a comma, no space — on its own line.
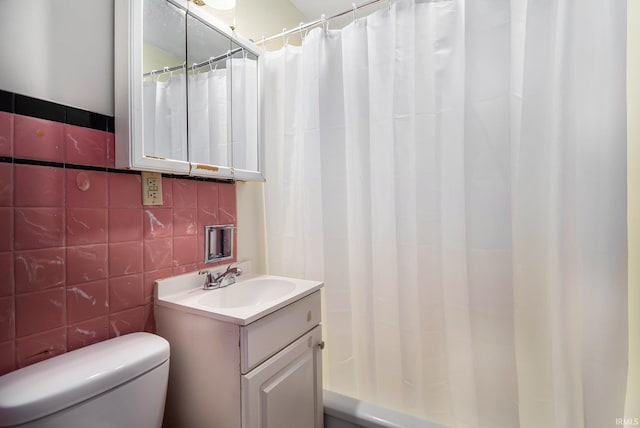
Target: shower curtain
(219,126)
(165,117)
(208,117)
(455,172)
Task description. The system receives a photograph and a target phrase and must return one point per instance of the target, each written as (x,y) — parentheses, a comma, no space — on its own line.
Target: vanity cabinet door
(286,390)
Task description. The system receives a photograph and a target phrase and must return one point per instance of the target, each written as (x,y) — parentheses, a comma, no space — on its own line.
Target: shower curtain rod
(322,20)
(194,66)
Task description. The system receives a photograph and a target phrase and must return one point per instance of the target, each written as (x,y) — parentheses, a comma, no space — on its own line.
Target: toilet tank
(120,382)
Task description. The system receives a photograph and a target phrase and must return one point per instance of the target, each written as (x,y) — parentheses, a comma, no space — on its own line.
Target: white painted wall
(633,173)
(258,18)
(61,51)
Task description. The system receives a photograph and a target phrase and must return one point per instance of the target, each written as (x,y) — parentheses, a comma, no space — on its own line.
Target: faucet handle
(207,274)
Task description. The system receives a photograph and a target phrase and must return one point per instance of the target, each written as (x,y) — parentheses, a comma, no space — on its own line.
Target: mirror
(164,89)
(187,92)
(209,113)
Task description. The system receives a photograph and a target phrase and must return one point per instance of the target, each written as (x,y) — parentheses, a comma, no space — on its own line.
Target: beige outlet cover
(151,188)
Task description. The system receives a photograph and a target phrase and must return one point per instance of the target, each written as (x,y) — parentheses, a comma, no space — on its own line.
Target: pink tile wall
(78,250)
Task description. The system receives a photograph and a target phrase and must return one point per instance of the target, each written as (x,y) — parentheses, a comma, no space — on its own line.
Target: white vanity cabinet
(267,373)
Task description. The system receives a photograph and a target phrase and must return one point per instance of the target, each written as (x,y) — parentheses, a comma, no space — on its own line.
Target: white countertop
(185,292)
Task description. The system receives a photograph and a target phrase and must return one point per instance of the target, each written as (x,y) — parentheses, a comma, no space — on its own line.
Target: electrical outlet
(151,188)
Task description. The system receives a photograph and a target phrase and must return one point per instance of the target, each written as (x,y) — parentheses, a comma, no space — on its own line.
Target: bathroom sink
(252,292)
(251,297)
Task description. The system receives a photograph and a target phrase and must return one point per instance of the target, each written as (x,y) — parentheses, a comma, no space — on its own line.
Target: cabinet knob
(321,344)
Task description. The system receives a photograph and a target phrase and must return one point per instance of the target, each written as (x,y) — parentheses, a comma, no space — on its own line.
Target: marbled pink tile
(208,196)
(167,192)
(39,269)
(206,218)
(185,250)
(38,228)
(201,245)
(185,193)
(38,139)
(86,226)
(86,263)
(86,333)
(7,319)
(39,347)
(149,282)
(125,322)
(6,184)
(125,292)
(149,319)
(185,221)
(38,186)
(85,146)
(158,223)
(6,229)
(7,279)
(6,134)
(125,191)
(227,203)
(7,357)
(86,301)
(40,311)
(125,258)
(157,254)
(125,224)
(191,267)
(111,150)
(86,189)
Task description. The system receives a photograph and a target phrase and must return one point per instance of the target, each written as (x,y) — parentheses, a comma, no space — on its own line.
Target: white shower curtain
(244,105)
(209,117)
(165,117)
(222,118)
(455,173)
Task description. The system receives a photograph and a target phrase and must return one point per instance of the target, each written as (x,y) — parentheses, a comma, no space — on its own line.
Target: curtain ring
(389,5)
(355,9)
(300,31)
(286,36)
(325,23)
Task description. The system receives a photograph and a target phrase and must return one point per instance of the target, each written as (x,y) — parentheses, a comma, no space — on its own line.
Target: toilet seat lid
(60,382)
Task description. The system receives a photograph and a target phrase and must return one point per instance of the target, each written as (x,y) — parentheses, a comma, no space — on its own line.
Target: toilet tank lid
(46,387)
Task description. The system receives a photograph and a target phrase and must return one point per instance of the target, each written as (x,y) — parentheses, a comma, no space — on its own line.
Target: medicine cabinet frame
(129,114)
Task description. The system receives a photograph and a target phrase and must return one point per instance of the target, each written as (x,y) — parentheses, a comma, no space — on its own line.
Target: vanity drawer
(266,336)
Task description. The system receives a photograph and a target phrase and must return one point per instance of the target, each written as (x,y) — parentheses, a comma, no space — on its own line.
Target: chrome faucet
(212,282)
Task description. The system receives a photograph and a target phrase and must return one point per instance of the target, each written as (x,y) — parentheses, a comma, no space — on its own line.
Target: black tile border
(7,101)
(42,109)
(36,162)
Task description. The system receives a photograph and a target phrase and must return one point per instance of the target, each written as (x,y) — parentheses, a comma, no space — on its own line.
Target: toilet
(118,383)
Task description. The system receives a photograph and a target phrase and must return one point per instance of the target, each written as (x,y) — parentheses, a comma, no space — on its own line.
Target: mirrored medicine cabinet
(187,92)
